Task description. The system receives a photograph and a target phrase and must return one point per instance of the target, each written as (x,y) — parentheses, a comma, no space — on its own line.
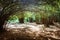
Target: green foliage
(46,9)
(13,19)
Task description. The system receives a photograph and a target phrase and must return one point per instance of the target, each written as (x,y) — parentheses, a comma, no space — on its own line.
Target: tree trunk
(31,20)
(2,20)
(37,21)
(21,20)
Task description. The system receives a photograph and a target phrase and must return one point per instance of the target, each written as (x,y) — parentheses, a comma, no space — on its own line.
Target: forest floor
(30,31)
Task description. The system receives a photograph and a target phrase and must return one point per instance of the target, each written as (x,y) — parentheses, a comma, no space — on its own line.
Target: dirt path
(30,31)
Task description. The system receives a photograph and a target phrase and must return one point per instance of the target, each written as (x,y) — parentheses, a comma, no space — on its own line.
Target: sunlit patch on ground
(30,28)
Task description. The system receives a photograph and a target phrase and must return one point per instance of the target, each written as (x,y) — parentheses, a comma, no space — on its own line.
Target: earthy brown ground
(39,32)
